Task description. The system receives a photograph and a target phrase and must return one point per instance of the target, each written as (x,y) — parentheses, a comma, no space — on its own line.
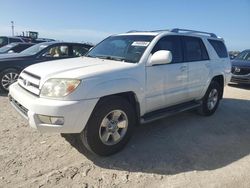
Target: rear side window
(20,48)
(219,47)
(194,49)
(170,43)
(79,50)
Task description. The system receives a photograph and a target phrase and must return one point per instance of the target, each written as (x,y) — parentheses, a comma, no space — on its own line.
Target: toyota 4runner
(127,79)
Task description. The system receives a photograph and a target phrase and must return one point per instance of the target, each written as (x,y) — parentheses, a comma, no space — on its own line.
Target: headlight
(57,87)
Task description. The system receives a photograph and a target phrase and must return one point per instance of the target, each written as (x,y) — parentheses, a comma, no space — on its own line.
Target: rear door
(196,56)
(166,84)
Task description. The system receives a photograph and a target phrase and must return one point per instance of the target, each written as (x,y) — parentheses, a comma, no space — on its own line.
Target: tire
(8,77)
(100,134)
(211,99)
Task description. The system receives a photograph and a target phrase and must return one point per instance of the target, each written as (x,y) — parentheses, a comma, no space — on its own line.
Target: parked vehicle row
(12,64)
(7,40)
(129,78)
(15,47)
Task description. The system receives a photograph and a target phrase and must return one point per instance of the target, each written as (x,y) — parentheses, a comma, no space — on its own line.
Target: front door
(166,84)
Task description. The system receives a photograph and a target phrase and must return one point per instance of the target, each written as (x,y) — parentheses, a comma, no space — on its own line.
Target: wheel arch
(131,97)
(220,80)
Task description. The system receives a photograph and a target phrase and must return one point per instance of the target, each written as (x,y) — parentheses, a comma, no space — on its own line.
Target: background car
(37,40)
(12,64)
(15,47)
(7,40)
(241,68)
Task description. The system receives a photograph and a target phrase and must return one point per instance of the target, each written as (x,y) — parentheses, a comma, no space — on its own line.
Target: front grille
(30,82)
(20,107)
(240,70)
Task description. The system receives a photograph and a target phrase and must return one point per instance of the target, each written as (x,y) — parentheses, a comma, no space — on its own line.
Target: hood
(76,67)
(240,63)
(12,56)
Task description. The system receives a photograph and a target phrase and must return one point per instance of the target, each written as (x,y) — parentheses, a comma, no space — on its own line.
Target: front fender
(116,86)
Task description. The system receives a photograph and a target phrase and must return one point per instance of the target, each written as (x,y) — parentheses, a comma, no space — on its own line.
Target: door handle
(183,68)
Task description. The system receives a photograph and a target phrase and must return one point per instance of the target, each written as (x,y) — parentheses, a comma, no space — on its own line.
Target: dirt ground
(185,150)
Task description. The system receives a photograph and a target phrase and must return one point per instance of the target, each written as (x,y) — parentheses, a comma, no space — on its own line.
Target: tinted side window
(79,50)
(16,49)
(194,49)
(57,51)
(15,40)
(19,48)
(170,43)
(219,47)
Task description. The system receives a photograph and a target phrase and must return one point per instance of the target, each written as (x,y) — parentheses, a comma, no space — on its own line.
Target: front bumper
(244,79)
(75,113)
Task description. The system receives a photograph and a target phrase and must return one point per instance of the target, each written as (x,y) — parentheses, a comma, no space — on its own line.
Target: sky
(93,20)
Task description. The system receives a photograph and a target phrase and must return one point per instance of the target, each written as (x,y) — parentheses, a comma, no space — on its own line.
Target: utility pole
(12,27)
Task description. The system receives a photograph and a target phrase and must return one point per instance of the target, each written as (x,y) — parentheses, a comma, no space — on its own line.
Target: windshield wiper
(89,56)
(113,58)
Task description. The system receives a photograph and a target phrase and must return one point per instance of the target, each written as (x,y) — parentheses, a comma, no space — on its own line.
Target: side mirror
(46,55)
(161,57)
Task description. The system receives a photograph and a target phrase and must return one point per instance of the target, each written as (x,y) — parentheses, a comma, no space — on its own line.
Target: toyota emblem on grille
(237,69)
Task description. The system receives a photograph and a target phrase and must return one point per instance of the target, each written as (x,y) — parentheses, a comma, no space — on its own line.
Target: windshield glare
(245,55)
(34,49)
(127,48)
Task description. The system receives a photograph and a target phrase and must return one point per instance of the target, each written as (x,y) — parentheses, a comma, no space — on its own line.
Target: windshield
(7,47)
(127,48)
(3,41)
(245,55)
(34,49)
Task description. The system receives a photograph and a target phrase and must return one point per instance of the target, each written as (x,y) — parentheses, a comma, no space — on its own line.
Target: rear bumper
(75,113)
(241,79)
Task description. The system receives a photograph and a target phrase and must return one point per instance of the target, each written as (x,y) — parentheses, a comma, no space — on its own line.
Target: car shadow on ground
(240,86)
(184,142)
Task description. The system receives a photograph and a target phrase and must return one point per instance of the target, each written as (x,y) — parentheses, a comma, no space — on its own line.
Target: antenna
(12,27)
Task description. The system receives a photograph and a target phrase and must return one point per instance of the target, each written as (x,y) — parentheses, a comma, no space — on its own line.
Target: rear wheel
(8,77)
(109,127)
(211,99)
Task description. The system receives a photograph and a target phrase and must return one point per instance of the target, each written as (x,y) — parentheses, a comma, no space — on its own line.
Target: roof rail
(132,31)
(177,30)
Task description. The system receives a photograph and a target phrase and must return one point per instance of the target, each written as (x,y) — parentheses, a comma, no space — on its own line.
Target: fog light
(51,120)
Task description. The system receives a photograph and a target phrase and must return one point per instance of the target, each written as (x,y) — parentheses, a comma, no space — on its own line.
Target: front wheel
(109,127)
(8,77)
(211,99)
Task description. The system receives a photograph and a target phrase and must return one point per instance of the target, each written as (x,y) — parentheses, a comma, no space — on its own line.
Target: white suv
(127,79)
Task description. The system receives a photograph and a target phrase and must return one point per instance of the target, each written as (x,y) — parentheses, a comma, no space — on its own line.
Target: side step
(165,112)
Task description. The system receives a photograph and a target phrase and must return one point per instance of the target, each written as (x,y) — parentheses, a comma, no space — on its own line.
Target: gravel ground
(185,150)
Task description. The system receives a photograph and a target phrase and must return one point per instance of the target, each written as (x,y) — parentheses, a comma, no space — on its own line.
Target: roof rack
(134,31)
(160,30)
(177,30)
